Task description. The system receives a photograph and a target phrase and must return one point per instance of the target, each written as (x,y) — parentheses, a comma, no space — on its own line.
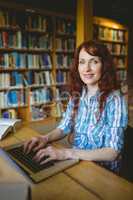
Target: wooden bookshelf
(36,51)
(115,36)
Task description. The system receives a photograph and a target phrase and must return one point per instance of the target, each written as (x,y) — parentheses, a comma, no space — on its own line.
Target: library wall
(130,77)
(115,37)
(36,51)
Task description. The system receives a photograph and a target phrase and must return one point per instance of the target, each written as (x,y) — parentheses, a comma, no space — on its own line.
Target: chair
(127,158)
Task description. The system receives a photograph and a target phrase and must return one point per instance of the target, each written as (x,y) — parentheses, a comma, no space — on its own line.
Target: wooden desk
(9,140)
(57,187)
(85,180)
(24,133)
(101,182)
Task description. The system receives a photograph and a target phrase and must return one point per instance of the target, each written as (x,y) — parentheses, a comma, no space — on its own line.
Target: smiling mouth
(88,76)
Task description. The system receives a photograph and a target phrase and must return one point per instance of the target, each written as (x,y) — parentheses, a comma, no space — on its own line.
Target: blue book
(12,98)
(59,77)
(17,78)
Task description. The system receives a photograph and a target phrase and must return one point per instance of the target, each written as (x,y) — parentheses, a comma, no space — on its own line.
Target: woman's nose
(88,66)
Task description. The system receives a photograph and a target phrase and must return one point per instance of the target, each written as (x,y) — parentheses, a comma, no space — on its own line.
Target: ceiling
(63,6)
(120,10)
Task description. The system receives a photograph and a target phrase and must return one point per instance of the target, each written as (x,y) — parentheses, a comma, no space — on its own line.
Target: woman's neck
(91,90)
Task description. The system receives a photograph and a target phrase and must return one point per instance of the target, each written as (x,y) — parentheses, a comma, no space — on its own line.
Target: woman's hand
(35,143)
(52,153)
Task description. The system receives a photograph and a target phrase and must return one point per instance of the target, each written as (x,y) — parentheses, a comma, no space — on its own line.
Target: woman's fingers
(51,153)
(46,160)
(45,152)
(35,144)
(39,155)
(41,144)
(29,145)
(25,146)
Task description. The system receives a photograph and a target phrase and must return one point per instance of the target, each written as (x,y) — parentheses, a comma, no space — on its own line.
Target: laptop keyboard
(27,159)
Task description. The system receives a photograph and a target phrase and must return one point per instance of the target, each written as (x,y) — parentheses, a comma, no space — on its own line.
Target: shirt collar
(84,94)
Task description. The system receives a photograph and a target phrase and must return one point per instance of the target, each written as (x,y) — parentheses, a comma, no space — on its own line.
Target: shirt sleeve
(66,123)
(116,122)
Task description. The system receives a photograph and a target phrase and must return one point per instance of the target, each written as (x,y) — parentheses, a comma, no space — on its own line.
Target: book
(8,125)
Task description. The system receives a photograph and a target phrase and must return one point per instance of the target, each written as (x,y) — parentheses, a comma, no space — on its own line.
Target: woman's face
(89,68)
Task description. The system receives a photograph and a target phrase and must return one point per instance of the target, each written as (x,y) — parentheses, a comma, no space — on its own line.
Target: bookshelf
(36,50)
(65,37)
(115,36)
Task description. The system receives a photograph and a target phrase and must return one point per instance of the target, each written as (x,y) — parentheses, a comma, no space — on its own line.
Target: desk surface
(83,181)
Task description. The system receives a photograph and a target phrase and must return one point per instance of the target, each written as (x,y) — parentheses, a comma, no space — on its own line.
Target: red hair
(108,81)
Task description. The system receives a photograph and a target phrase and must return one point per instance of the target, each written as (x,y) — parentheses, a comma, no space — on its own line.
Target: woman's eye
(81,62)
(95,61)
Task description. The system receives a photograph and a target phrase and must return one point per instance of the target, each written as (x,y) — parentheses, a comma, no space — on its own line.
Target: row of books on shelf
(12,98)
(9,114)
(24,60)
(41,96)
(63,60)
(38,22)
(106,33)
(117,49)
(24,40)
(62,94)
(15,19)
(19,39)
(122,75)
(39,78)
(39,61)
(35,21)
(65,26)
(62,76)
(18,60)
(31,78)
(65,44)
(119,62)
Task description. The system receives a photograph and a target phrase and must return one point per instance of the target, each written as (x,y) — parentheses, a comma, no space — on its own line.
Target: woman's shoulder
(114,95)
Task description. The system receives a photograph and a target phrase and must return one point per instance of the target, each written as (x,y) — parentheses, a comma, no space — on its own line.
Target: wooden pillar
(84,20)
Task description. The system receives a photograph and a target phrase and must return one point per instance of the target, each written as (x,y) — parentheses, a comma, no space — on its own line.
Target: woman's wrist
(70,154)
(46,138)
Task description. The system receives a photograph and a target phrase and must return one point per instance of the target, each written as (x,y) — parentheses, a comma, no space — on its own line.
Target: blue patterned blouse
(90,133)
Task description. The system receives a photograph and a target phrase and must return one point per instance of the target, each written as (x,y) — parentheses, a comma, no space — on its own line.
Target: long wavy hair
(108,81)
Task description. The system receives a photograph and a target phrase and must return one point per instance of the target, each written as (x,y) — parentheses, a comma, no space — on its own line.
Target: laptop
(33,169)
(15,190)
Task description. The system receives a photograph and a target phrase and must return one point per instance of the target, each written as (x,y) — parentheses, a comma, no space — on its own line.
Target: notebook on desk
(33,169)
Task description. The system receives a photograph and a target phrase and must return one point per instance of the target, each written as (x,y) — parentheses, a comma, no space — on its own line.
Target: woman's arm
(103,154)
(41,141)
(54,135)
(53,153)
(63,128)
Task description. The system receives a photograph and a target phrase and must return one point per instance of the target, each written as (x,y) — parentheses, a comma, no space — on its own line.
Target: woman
(96,112)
